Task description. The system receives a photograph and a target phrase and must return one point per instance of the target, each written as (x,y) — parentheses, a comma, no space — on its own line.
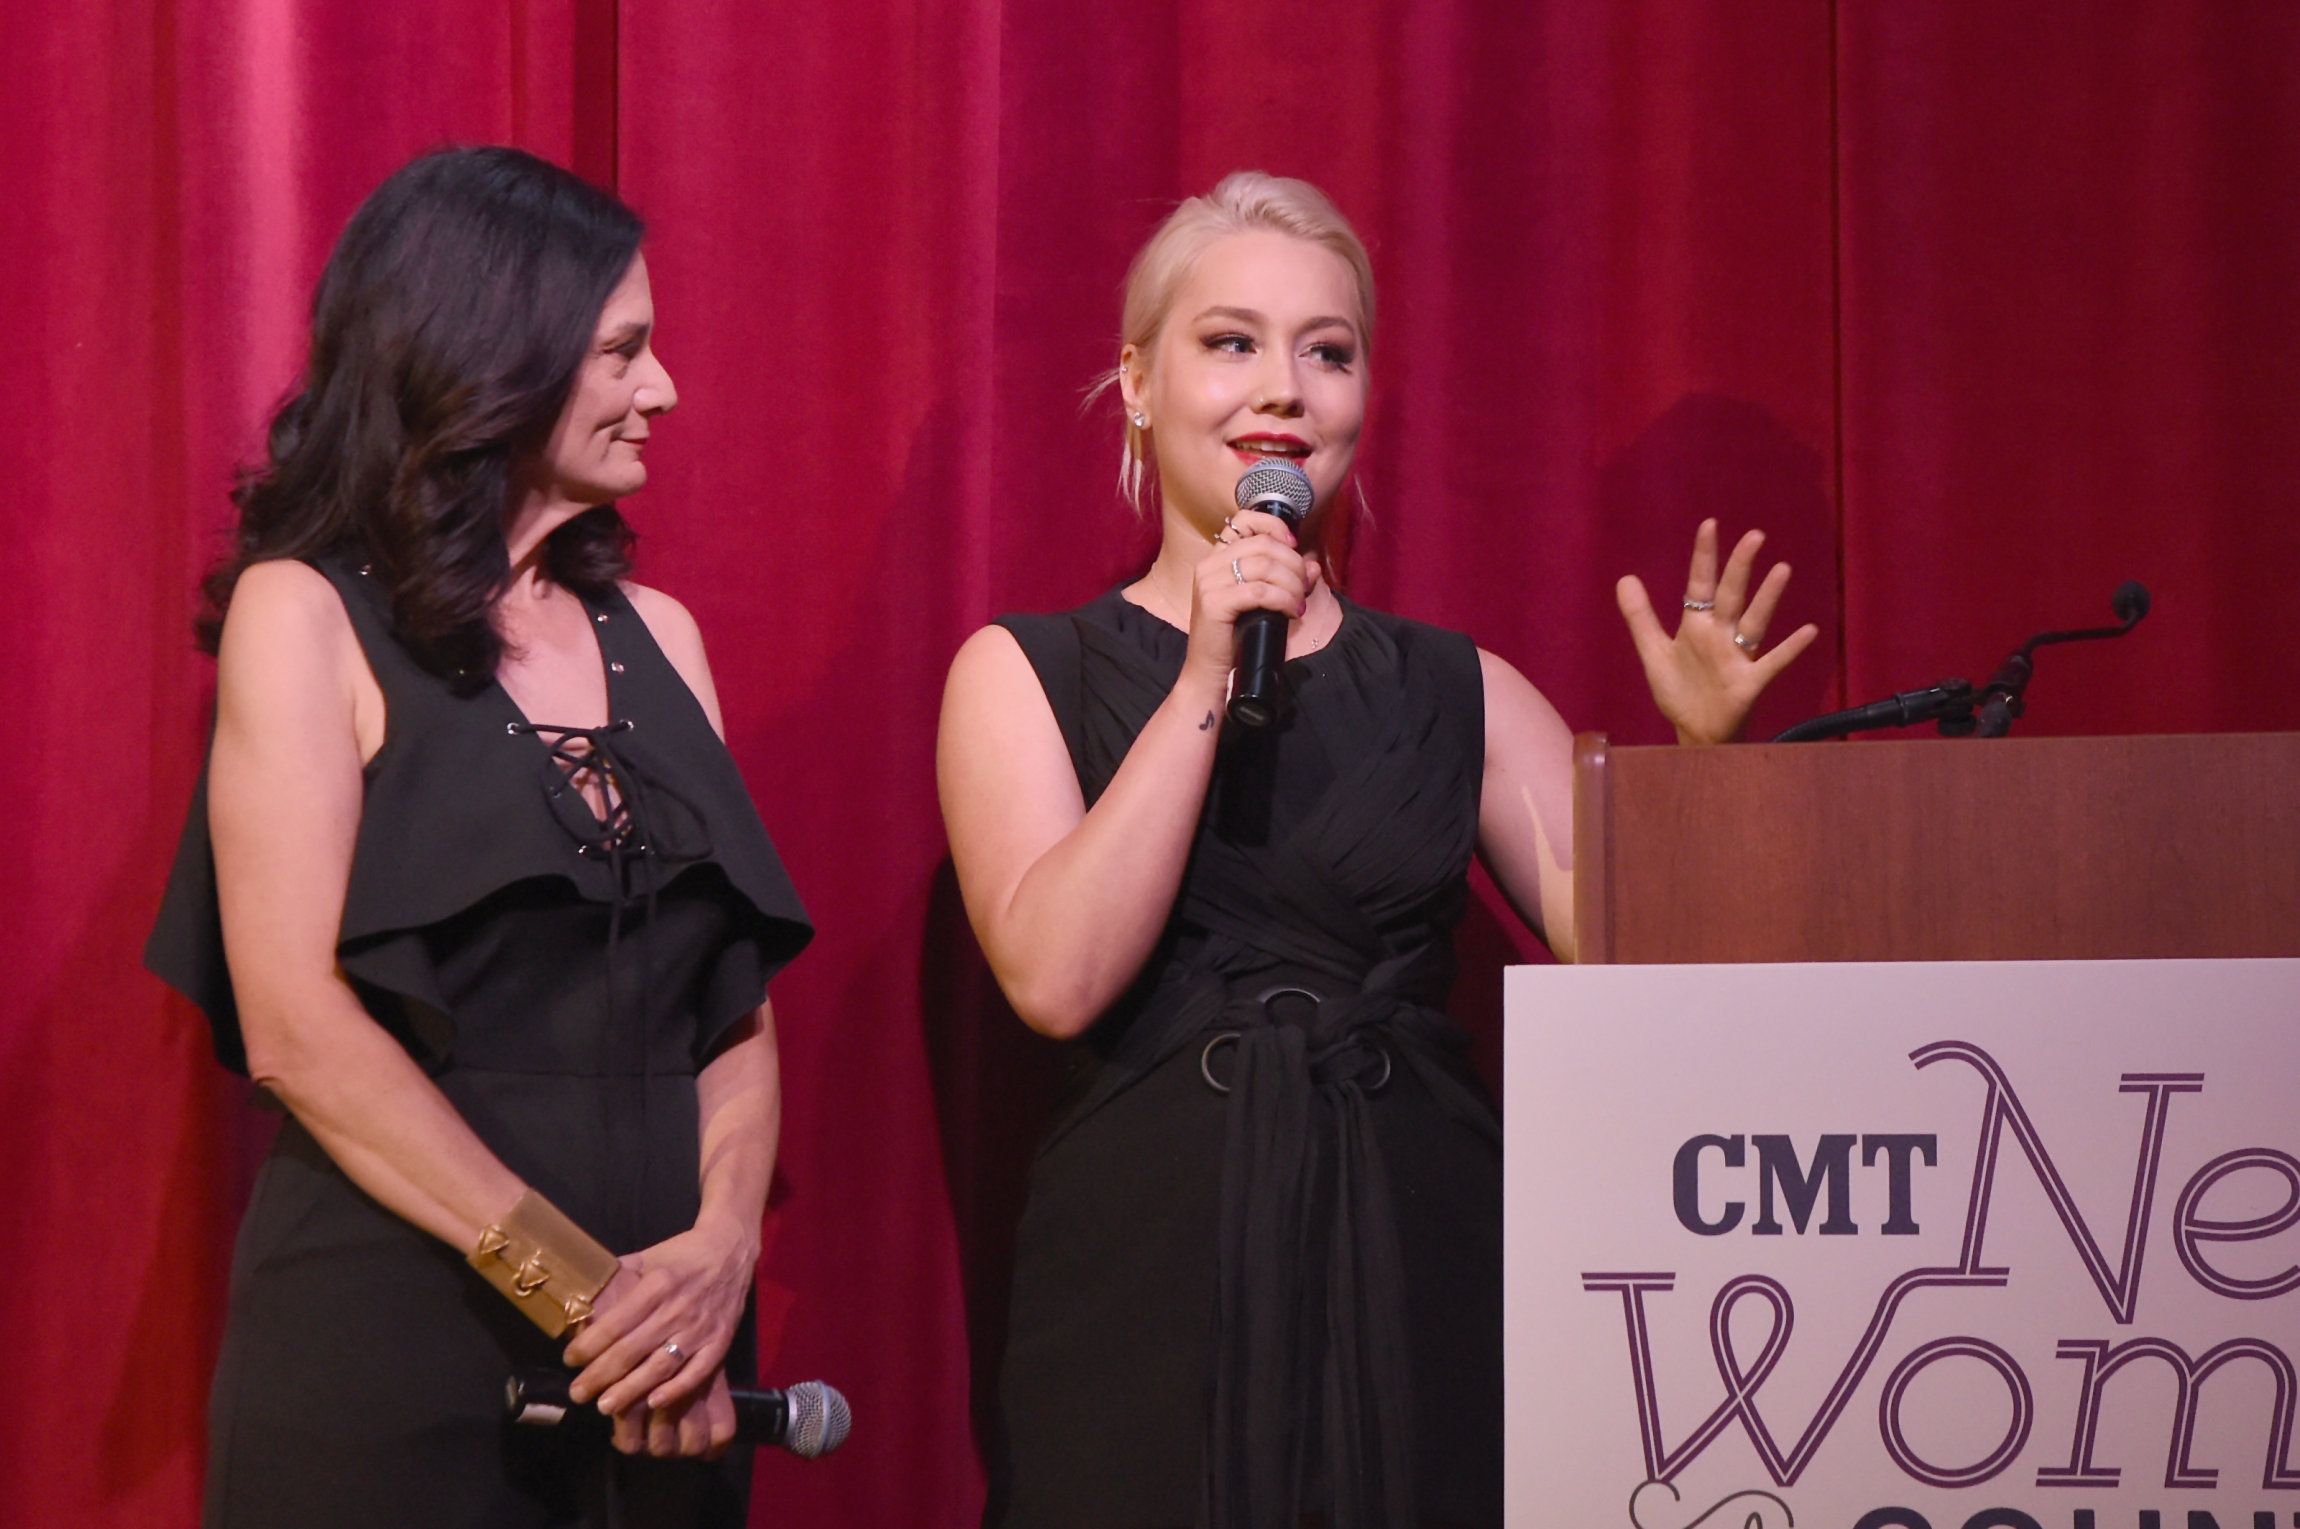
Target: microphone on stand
(1258,687)
(2001,700)
(810,1419)
(1950,703)
(1954,705)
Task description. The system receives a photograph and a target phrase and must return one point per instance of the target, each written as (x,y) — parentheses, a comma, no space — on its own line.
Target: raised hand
(1707,675)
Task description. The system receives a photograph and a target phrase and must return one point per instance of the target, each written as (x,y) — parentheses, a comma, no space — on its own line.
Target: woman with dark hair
(1258,1279)
(472,887)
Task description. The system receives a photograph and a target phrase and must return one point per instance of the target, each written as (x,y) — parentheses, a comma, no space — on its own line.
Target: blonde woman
(1258,1278)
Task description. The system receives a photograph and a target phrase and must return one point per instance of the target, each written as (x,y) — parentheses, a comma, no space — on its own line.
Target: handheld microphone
(810,1419)
(1258,687)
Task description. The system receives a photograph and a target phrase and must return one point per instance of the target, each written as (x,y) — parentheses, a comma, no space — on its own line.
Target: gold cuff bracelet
(550,1268)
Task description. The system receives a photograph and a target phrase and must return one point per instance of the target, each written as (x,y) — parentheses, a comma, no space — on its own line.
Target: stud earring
(1141,420)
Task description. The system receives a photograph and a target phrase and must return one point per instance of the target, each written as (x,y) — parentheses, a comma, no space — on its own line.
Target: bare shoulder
(286,632)
(993,690)
(995,712)
(670,623)
(991,659)
(283,595)
(1522,730)
(1510,692)
(675,632)
(290,665)
(1008,788)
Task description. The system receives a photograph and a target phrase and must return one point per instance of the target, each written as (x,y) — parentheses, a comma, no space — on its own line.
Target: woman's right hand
(1257,565)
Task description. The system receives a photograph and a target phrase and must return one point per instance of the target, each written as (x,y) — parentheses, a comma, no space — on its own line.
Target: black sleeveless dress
(562,981)
(1258,1278)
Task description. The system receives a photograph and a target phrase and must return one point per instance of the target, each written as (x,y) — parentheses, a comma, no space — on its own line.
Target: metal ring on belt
(1206,1061)
(1206,1057)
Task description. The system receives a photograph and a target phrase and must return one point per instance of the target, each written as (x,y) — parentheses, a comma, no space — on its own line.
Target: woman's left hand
(662,1327)
(700,1426)
(1708,674)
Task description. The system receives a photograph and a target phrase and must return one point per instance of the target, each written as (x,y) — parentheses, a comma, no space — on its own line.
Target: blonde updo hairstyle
(1245,201)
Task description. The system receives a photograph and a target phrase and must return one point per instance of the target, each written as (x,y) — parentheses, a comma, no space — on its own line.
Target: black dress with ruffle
(1258,1278)
(562,980)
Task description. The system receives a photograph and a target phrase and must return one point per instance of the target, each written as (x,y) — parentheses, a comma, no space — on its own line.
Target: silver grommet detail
(601,618)
(512,728)
(614,668)
(1206,1061)
(1383,1081)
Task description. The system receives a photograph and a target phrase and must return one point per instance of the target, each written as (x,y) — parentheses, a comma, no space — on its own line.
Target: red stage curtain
(1977,310)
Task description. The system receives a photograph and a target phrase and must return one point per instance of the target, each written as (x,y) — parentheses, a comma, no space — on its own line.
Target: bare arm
(1068,903)
(284,797)
(1525,812)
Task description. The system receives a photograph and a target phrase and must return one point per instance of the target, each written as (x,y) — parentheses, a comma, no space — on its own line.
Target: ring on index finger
(1745,643)
(679,1356)
(1236,572)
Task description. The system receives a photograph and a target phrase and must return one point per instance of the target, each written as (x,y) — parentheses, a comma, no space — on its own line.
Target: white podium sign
(2000,1245)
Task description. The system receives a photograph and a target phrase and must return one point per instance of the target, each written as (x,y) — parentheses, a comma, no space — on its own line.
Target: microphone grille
(1277,486)
(820,1419)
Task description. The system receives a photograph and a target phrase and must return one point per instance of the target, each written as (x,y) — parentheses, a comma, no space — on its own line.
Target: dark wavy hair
(445,338)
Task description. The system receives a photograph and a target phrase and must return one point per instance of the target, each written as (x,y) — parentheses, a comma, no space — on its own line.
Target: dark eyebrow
(627,335)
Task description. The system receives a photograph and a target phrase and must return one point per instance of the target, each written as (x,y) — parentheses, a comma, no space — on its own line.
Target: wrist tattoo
(1209,722)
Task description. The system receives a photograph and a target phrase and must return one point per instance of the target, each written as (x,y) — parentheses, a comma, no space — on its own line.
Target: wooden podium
(1940,849)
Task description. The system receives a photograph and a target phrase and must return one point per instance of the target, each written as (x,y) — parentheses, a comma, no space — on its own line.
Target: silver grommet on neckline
(614,668)
(601,618)
(512,728)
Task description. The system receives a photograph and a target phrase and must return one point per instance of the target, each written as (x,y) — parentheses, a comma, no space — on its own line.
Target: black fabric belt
(1311,1405)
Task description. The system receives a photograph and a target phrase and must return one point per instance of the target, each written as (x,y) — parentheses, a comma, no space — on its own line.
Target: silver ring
(1700,605)
(1741,641)
(672,1348)
(1235,572)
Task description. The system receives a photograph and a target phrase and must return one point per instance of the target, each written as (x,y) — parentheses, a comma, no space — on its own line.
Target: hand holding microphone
(1258,690)
(810,1419)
